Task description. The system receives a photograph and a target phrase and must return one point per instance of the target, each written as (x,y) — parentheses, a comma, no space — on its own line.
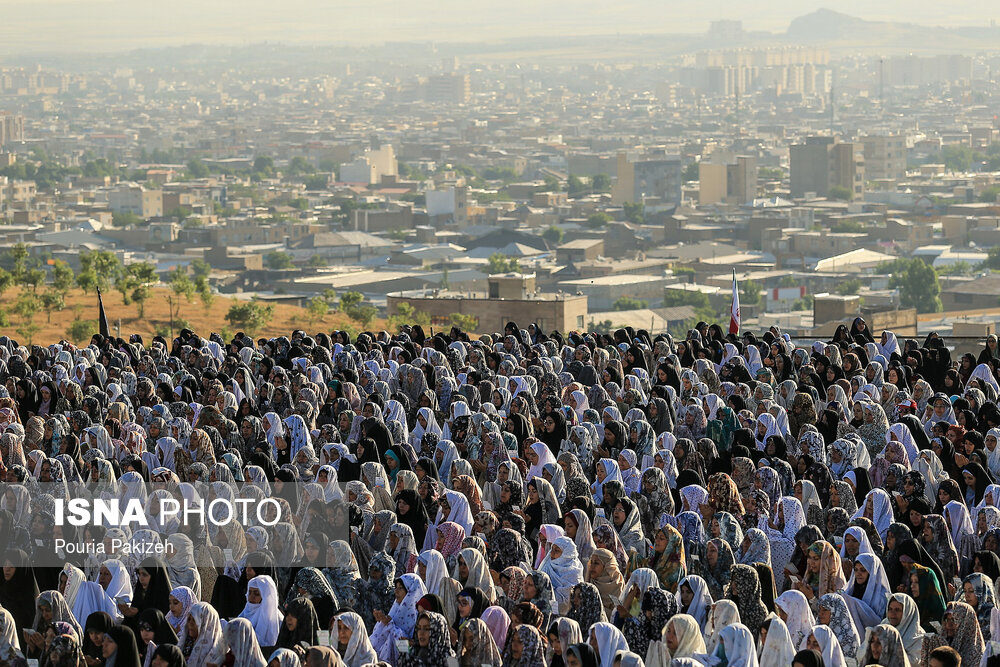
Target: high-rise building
(11,128)
(733,181)
(452,88)
(885,156)
(659,177)
(822,163)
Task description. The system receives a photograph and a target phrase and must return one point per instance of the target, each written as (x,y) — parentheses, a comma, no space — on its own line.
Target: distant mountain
(836,30)
(826,24)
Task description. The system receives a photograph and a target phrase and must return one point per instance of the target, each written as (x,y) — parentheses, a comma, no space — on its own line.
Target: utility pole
(833,105)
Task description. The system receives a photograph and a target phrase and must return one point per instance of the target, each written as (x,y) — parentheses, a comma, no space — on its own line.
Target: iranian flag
(734,317)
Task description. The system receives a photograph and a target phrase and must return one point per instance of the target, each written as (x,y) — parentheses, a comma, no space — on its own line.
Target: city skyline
(106,26)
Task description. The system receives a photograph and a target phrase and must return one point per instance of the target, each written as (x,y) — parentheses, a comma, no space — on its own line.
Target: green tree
(263,167)
(551,184)
(848,226)
(204,290)
(554,235)
(576,187)
(354,306)
(467,323)
(849,287)
(317,261)
(200,268)
(183,290)
(841,193)
(500,263)
(197,169)
(26,306)
(125,219)
(407,314)
(959,268)
(634,212)
(278,260)
(917,282)
(957,158)
(6,280)
(989,195)
(33,278)
(52,300)
(674,297)
(134,276)
(21,258)
(750,292)
(601,183)
(299,165)
(62,276)
(628,303)
(102,266)
(596,220)
(317,182)
(318,308)
(182,213)
(604,327)
(992,259)
(250,316)
(80,331)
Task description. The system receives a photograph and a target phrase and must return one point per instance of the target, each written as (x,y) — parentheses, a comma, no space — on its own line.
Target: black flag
(102,317)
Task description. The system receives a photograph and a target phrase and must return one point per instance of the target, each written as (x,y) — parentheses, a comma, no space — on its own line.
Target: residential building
(507,294)
(451,88)
(885,156)
(11,128)
(659,177)
(727,181)
(822,163)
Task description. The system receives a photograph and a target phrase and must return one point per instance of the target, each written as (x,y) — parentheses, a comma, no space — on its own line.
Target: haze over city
(47,26)
(510,334)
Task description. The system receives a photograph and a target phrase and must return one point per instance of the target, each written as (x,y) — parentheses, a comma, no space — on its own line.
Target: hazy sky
(38,26)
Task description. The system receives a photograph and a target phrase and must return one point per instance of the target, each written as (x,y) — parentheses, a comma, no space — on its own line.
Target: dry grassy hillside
(198,317)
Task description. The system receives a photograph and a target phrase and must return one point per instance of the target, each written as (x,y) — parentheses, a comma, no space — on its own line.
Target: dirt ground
(156,317)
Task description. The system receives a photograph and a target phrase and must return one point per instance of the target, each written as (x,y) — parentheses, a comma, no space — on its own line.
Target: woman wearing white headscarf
(262,609)
(359,651)
(781,533)
(868,608)
(181,564)
(209,646)
(242,643)
(680,638)
(538,456)
(777,649)
(10,647)
(983,375)
(902,613)
(584,537)
(736,644)
(562,564)
(91,598)
(426,423)
(400,621)
(119,587)
(824,641)
(437,582)
(608,468)
(877,507)
(607,640)
(700,603)
(299,435)
(722,614)
(793,608)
